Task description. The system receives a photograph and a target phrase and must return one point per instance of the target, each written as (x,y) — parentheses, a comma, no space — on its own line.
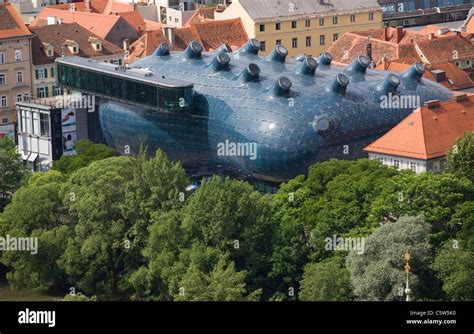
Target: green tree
(460,159)
(223,283)
(335,199)
(378,273)
(435,197)
(37,211)
(86,153)
(326,281)
(455,267)
(13,171)
(230,216)
(98,257)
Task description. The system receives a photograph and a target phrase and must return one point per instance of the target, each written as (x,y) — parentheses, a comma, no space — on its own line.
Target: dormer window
(48,49)
(72,46)
(96,43)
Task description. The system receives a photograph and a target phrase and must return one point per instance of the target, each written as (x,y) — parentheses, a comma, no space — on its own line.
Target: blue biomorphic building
(237,113)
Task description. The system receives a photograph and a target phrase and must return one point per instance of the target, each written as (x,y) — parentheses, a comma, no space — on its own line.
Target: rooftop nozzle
(162,50)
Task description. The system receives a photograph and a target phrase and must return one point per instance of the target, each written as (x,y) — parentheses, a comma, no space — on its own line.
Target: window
(413,166)
(44,124)
(2,58)
(35,124)
(3,79)
(468,62)
(308,41)
(41,73)
(278,42)
(396,163)
(262,28)
(335,37)
(176,20)
(457,64)
(3,101)
(52,72)
(294,43)
(321,22)
(353,18)
(26,97)
(371,16)
(263,46)
(19,77)
(278,26)
(322,40)
(18,55)
(307,23)
(42,91)
(19,98)
(334,20)
(74,49)
(50,52)
(4,120)
(294,24)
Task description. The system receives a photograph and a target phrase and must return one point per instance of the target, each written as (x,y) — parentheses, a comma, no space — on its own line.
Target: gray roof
(269,9)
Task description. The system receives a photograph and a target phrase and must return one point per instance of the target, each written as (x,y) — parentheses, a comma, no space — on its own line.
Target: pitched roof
(134,19)
(99,24)
(11,25)
(146,44)
(270,9)
(97,6)
(214,33)
(456,78)
(352,44)
(184,36)
(211,35)
(56,35)
(429,132)
(438,50)
(201,15)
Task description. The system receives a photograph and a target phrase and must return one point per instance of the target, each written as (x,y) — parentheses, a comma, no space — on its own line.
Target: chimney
(126,44)
(385,33)
(458,34)
(87,3)
(431,36)
(169,33)
(461,98)
(399,34)
(439,75)
(432,104)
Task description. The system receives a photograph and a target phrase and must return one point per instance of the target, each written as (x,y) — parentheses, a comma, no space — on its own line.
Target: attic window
(50,52)
(74,49)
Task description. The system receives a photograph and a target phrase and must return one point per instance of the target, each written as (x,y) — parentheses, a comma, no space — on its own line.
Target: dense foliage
(127,228)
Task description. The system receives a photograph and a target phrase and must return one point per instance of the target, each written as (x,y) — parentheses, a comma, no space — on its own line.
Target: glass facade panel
(167,98)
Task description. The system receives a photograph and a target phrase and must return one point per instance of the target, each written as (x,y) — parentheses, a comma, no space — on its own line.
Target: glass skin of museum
(298,111)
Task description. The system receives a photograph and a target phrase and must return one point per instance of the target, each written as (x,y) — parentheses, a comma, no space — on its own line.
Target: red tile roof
(443,49)
(214,33)
(146,45)
(99,24)
(210,34)
(56,35)
(460,79)
(97,6)
(11,25)
(429,132)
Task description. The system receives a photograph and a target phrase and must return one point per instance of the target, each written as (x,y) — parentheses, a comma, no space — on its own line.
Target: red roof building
(420,142)
(211,34)
(109,20)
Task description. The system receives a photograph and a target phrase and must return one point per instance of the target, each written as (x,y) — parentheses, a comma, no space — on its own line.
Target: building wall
(42,83)
(10,68)
(416,165)
(287,33)
(122,30)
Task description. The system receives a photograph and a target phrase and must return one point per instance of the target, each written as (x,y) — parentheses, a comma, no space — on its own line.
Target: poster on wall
(7,130)
(68,125)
